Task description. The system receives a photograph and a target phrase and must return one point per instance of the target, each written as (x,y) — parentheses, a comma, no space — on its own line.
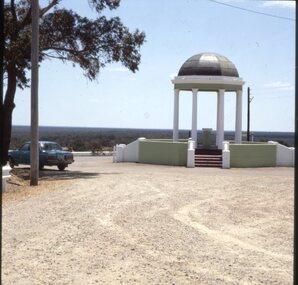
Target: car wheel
(61,167)
(11,162)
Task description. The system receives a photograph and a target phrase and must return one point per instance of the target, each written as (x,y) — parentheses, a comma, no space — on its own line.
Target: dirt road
(105,223)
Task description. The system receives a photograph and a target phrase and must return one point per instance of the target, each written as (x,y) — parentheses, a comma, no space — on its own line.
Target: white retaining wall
(285,156)
(127,153)
(131,152)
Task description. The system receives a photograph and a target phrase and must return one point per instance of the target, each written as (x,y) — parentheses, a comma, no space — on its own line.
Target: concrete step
(208,152)
(208,160)
(218,165)
(208,157)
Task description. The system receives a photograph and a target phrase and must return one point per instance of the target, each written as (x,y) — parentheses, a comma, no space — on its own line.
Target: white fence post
(226,156)
(190,154)
(120,152)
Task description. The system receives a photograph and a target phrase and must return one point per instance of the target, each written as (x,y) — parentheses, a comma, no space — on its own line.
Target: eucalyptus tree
(67,36)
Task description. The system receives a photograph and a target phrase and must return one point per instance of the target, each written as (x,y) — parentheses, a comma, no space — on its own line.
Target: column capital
(176,91)
(195,90)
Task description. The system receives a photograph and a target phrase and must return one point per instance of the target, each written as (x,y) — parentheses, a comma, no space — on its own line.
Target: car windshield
(51,146)
(25,147)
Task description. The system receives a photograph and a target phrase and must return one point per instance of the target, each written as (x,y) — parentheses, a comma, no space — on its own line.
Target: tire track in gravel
(183,215)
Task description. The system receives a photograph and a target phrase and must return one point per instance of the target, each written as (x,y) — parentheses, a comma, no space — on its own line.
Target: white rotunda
(209,72)
(206,72)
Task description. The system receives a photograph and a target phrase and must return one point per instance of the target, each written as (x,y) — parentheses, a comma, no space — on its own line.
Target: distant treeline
(94,139)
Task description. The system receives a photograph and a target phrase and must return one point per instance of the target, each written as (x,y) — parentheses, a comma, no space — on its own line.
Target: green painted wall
(164,152)
(253,155)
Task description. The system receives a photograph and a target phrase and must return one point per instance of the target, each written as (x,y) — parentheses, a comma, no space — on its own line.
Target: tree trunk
(7,109)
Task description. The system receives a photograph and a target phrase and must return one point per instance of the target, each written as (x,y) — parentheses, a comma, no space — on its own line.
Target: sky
(261,47)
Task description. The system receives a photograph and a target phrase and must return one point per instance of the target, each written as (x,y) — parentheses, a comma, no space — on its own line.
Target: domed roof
(208,64)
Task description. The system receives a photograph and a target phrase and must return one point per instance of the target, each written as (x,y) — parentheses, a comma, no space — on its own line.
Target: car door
(25,154)
(43,154)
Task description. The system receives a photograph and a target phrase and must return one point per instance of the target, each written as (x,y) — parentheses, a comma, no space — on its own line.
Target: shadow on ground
(53,174)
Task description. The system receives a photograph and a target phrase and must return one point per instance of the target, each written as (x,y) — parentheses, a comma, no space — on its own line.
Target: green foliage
(80,139)
(63,35)
(98,139)
(67,36)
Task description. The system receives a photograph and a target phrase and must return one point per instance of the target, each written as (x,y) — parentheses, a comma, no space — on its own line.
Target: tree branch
(55,57)
(48,8)
(64,49)
(27,19)
(13,11)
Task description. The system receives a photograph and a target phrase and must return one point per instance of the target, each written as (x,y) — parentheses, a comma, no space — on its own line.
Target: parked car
(50,154)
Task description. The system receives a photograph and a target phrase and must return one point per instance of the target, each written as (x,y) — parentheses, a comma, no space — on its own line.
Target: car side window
(56,147)
(45,147)
(25,147)
(52,146)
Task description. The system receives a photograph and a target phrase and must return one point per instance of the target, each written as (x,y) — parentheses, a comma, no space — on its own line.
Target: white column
(220,118)
(176,116)
(194,115)
(217,119)
(238,124)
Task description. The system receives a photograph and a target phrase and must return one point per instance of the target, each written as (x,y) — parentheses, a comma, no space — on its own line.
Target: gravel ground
(104,223)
